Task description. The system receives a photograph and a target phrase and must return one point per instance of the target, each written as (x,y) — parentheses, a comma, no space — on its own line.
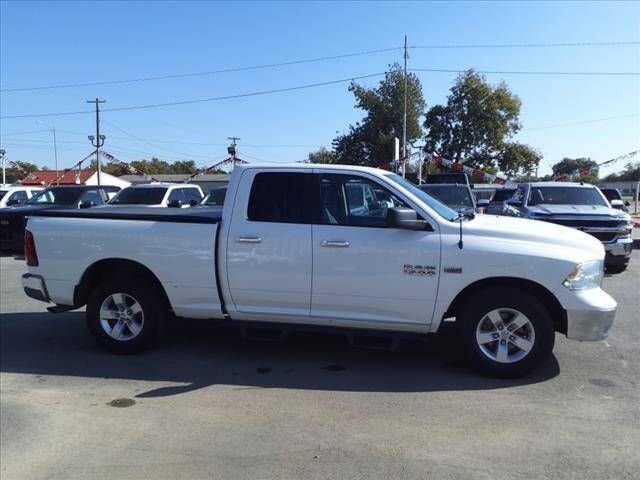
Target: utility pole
(55,145)
(98,140)
(4,178)
(404,118)
(233,149)
(55,153)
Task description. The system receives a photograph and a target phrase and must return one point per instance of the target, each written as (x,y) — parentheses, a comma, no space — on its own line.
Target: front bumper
(590,315)
(622,247)
(35,287)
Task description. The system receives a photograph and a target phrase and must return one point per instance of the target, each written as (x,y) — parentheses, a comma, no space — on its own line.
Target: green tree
(371,141)
(14,174)
(476,125)
(322,155)
(577,169)
(630,173)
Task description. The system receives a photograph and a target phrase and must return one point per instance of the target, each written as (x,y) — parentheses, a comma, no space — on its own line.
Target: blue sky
(54,43)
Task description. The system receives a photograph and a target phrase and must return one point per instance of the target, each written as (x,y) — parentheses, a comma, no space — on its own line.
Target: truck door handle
(248,239)
(334,243)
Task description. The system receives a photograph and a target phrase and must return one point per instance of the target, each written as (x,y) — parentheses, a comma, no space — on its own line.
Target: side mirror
(175,204)
(406,218)
(87,204)
(482,203)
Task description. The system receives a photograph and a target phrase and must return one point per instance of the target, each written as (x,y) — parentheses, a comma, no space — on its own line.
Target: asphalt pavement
(207,404)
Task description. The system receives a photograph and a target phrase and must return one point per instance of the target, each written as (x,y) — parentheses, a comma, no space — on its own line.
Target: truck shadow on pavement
(197,354)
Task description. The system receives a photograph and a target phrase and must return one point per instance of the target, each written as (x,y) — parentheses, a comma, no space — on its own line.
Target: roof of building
(164,185)
(177,177)
(45,177)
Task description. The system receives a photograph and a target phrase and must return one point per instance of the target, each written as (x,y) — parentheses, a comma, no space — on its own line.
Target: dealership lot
(207,404)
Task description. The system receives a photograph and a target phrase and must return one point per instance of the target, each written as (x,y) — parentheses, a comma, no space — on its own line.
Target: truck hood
(572,210)
(525,230)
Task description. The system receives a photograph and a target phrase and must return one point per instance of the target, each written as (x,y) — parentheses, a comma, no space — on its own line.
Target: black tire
(153,308)
(616,268)
(475,310)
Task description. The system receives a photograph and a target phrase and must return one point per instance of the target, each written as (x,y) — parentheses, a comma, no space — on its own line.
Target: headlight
(585,275)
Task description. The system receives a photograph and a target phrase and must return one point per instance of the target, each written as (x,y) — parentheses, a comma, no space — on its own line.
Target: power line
(531,45)
(201,100)
(147,142)
(512,72)
(581,122)
(196,74)
(312,60)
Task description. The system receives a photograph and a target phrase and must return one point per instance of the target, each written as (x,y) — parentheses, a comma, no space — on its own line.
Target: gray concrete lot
(207,404)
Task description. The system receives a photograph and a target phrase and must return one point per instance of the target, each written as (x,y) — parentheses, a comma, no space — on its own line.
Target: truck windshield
(435,204)
(139,196)
(455,196)
(565,196)
(56,196)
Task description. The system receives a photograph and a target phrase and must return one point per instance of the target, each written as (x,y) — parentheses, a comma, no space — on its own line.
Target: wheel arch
(548,299)
(109,268)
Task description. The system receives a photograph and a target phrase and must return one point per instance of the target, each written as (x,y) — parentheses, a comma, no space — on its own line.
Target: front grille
(604,236)
(589,223)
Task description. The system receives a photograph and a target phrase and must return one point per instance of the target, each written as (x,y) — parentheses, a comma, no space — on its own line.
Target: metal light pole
(4,178)
(55,145)
(98,140)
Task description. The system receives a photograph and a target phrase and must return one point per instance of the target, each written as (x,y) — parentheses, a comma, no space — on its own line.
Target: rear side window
(192,195)
(280,197)
(176,195)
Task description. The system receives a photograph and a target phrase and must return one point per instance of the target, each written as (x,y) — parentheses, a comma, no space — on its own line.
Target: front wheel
(124,316)
(507,333)
(612,268)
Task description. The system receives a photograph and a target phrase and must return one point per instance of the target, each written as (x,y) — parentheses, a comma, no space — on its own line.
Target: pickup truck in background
(175,195)
(498,202)
(582,207)
(13,219)
(615,199)
(299,245)
(12,196)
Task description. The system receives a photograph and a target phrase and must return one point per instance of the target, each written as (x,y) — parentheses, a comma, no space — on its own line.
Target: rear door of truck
(268,250)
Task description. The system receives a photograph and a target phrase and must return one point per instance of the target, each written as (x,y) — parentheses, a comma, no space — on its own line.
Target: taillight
(30,249)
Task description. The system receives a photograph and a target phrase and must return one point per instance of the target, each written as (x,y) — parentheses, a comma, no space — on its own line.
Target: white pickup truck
(293,246)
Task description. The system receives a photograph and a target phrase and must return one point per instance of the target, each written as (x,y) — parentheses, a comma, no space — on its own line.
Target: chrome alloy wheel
(121,316)
(505,335)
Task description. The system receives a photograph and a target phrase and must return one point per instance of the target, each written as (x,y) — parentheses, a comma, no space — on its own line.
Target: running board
(264,334)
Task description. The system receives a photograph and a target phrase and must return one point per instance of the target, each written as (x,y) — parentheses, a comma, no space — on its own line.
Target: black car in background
(215,198)
(14,219)
(498,201)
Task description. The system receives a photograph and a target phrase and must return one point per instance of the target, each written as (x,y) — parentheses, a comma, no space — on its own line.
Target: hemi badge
(452,269)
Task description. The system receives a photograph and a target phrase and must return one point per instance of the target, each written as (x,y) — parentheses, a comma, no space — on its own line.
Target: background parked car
(11,196)
(615,199)
(498,201)
(583,207)
(215,198)
(13,219)
(160,195)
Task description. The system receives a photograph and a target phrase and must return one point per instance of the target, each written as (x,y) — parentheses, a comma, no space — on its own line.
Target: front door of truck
(269,245)
(364,272)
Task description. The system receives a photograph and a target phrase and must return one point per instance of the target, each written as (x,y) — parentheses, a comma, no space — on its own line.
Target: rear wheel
(506,332)
(124,316)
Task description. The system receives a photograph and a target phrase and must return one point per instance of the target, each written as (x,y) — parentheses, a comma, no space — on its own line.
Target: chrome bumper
(35,287)
(591,315)
(621,247)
